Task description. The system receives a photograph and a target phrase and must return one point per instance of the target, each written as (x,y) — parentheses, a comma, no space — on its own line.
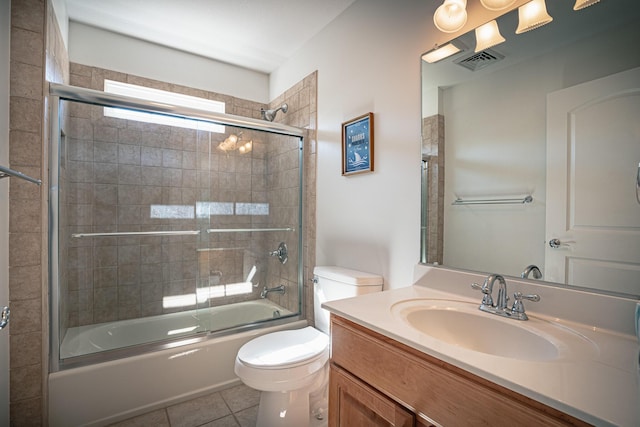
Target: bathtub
(107,392)
(90,339)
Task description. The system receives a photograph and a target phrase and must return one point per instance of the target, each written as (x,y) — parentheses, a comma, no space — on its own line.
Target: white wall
(96,47)
(368,59)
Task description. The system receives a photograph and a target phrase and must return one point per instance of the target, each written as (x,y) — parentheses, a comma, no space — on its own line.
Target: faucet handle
(518,306)
(486,298)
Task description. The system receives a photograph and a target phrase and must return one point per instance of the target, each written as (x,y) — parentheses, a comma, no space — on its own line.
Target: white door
(593,205)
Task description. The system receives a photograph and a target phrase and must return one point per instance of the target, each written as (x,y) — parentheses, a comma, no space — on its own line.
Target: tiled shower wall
(117,169)
(302,113)
(433,153)
(37,53)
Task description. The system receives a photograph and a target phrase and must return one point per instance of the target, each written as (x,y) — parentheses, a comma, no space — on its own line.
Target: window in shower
(163,234)
(162,97)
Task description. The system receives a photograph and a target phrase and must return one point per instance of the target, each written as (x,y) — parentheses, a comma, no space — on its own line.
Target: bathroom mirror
(485,136)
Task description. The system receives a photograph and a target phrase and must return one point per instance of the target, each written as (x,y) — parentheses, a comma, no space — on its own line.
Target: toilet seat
(284,349)
(284,360)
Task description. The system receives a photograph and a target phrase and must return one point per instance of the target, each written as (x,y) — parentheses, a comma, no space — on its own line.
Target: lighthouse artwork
(357,145)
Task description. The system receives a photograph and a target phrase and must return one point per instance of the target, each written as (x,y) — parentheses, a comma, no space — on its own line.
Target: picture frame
(357,145)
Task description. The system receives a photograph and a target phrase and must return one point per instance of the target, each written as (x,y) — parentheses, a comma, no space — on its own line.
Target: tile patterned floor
(233,407)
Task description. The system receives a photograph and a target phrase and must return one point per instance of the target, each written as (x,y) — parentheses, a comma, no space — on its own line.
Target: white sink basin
(461,324)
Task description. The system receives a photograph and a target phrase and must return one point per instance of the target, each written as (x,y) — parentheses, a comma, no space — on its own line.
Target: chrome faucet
(501,307)
(531,269)
(487,291)
(278,290)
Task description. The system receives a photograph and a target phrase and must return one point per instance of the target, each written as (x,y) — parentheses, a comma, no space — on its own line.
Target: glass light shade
(532,15)
(451,16)
(488,35)
(497,4)
(581,4)
(440,53)
(246,148)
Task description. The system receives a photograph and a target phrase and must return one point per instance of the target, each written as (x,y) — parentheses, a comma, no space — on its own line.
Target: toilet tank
(333,283)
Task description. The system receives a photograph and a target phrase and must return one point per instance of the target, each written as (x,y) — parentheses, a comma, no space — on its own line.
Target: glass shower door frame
(59,93)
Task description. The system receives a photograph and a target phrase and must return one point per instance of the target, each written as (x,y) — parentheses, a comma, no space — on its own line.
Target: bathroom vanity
(370,373)
(393,364)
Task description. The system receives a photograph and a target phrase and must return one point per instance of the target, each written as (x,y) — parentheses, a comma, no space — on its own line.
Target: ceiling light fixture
(451,16)
(581,4)
(532,15)
(229,143)
(488,35)
(496,4)
(439,53)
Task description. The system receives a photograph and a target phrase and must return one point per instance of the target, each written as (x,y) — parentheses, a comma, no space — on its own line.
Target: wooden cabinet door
(353,403)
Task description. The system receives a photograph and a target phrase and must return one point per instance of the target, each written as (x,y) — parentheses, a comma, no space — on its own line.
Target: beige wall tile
(26,349)
(25,215)
(27,47)
(26,412)
(29,15)
(25,282)
(26,115)
(25,248)
(25,148)
(26,316)
(26,80)
(25,382)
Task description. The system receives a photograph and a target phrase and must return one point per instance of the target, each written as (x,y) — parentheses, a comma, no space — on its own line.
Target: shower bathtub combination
(172,243)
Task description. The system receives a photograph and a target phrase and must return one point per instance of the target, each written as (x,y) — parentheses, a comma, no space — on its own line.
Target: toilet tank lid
(348,276)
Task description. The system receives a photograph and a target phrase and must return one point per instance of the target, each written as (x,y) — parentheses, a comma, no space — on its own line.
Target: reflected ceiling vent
(480,60)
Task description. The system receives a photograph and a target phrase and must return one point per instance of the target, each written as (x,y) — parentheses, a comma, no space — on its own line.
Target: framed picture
(357,145)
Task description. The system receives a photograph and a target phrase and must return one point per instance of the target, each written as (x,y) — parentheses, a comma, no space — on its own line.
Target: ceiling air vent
(477,61)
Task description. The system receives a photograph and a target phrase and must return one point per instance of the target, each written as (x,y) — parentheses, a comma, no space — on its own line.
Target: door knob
(555,243)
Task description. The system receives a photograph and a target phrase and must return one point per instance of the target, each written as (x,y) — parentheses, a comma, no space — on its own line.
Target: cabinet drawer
(430,387)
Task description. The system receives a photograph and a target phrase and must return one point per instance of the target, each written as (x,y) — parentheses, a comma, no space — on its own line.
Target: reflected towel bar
(6,172)
(527,199)
(137,233)
(243,230)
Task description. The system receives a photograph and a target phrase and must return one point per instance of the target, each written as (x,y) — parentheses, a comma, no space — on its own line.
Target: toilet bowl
(286,366)
(291,368)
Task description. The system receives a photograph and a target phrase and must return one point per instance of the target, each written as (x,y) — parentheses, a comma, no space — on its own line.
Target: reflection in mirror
(551,114)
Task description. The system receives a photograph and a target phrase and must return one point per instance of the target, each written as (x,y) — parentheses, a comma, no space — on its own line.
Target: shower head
(271,114)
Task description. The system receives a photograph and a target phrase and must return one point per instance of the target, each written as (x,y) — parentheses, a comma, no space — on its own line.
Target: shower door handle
(4,317)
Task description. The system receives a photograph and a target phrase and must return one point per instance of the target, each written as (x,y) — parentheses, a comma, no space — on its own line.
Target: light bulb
(581,4)
(532,15)
(488,35)
(451,16)
(497,4)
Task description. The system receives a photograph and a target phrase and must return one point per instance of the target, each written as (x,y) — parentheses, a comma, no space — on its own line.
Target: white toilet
(291,368)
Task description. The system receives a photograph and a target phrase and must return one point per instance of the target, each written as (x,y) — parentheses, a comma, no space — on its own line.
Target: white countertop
(599,384)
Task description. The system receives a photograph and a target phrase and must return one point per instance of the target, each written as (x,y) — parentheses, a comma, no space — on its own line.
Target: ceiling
(255,34)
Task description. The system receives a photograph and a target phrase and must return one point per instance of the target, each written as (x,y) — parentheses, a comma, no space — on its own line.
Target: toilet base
(296,408)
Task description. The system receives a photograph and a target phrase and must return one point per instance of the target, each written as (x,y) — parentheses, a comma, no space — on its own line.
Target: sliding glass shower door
(164,231)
